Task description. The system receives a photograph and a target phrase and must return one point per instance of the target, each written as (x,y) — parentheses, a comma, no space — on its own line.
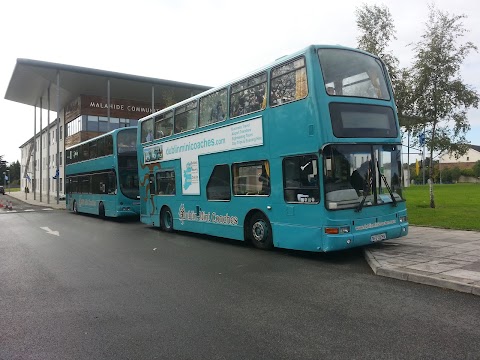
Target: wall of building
(48,163)
(472,156)
(80,109)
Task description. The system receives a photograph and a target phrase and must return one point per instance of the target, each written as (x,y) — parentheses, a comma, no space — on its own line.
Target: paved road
(123,290)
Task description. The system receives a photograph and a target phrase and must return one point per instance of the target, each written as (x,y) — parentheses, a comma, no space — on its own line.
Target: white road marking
(49,231)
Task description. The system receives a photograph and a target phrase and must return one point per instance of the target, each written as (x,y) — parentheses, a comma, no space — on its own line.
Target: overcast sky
(206,42)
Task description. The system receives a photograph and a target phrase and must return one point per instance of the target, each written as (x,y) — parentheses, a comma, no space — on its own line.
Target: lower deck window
(166,182)
(300,179)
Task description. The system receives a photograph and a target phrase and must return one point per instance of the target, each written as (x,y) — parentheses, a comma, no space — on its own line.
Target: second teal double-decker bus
(102,175)
(303,154)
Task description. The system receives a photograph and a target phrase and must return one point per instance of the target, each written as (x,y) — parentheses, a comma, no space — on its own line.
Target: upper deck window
(289,82)
(213,108)
(349,73)
(248,95)
(164,125)
(126,141)
(186,117)
(147,130)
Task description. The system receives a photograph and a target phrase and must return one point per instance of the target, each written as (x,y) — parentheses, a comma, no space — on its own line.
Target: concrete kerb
(407,275)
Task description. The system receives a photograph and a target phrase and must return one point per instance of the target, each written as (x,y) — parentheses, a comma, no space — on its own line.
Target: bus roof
(278,61)
(102,135)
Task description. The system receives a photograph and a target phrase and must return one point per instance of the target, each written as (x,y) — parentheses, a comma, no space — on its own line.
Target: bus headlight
(344,230)
(403,219)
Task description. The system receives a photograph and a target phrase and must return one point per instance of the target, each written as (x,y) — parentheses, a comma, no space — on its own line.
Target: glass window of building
(103,124)
(114,123)
(92,123)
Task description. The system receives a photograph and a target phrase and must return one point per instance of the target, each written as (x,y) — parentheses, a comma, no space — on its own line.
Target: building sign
(236,136)
(97,105)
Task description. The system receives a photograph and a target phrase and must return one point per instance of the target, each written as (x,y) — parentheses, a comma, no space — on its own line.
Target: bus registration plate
(378,237)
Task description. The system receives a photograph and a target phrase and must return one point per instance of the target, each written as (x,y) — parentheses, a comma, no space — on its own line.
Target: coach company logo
(208,217)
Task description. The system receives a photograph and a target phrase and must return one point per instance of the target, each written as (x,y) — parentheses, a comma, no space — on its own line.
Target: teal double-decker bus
(102,175)
(303,154)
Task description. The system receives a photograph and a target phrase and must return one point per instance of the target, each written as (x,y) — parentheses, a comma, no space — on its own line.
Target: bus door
(151,201)
(147,206)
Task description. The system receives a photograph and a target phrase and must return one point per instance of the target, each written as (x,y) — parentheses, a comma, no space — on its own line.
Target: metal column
(48,147)
(41,146)
(58,137)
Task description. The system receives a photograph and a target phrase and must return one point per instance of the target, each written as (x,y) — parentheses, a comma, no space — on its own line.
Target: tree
(3,164)
(476,169)
(377,30)
(456,173)
(14,171)
(440,97)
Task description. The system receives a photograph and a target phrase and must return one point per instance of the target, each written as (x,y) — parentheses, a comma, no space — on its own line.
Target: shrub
(468,172)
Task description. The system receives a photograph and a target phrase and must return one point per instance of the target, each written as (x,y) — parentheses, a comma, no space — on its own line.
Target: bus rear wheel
(101,210)
(260,232)
(166,219)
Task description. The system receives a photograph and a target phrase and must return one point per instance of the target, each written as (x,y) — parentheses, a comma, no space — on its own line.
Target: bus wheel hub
(258,231)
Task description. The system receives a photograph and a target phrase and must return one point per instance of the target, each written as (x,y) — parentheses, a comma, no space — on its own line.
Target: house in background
(464,162)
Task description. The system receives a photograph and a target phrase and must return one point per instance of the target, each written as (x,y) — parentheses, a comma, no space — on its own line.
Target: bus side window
(251,178)
(300,176)
(112,183)
(288,82)
(151,181)
(218,187)
(166,182)
(147,130)
(248,95)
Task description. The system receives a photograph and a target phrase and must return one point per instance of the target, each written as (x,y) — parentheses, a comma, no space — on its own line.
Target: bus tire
(166,219)
(101,210)
(260,231)
(74,207)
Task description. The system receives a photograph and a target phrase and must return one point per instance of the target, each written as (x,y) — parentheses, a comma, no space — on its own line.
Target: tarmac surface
(444,258)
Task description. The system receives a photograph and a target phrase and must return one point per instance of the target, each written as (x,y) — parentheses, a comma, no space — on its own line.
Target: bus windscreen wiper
(365,193)
(394,202)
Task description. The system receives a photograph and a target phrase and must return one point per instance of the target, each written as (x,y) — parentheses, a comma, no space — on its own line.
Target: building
(463,162)
(85,103)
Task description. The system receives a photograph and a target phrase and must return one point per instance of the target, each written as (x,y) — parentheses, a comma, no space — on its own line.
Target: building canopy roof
(32,78)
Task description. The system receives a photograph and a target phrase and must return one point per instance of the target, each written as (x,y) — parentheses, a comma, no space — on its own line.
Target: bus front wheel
(260,232)
(166,219)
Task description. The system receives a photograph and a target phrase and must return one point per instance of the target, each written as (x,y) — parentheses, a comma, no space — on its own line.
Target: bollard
(9,205)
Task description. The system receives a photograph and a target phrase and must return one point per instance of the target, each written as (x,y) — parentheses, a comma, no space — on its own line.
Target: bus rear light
(335,231)
(331,231)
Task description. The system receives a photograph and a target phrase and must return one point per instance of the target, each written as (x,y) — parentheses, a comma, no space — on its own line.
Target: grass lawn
(457,206)
(12,189)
